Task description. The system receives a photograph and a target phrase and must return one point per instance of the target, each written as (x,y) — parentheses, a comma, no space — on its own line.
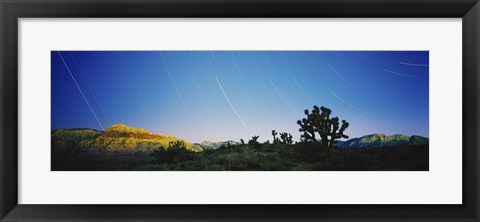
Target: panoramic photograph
(239,110)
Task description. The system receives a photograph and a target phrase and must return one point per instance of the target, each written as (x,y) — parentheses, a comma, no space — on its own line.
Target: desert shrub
(152,167)
(233,161)
(176,152)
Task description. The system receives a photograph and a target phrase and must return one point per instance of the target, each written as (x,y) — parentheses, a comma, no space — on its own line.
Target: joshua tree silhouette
(287,138)
(274,134)
(327,128)
(253,142)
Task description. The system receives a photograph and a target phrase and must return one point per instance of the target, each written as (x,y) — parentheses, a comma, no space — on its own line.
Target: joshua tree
(327,128)
(254,139)
(253,142)
(274,134)
(287,138)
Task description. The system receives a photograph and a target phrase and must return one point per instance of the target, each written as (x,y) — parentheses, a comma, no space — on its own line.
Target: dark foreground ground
(281,157)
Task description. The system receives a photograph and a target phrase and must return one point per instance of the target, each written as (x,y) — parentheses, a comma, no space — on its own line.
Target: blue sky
(223,95)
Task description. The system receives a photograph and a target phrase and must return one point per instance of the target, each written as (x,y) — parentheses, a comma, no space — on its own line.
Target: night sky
(228,95)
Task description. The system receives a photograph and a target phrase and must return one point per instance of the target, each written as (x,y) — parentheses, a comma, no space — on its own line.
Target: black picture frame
(12,10)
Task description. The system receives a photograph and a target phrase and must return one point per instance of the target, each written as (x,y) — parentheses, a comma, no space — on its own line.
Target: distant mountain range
(209,145)
(380,140)
(124,139)
(371,141)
